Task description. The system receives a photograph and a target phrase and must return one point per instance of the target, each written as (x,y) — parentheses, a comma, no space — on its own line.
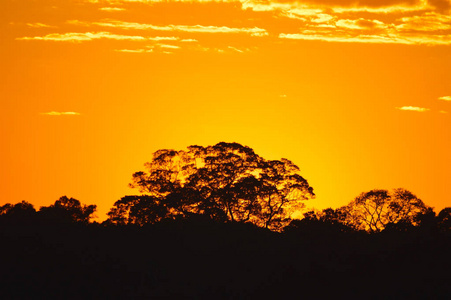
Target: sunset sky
(356,93)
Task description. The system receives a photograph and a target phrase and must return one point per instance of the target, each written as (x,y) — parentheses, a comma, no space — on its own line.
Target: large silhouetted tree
(374,210)
(226,181)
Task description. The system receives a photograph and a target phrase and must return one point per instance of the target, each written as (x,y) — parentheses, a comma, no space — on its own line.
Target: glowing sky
(356,93)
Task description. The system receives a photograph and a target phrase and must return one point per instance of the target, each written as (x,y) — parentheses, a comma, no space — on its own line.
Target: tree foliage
(68,210)
(444,220)
(138,210)
(226,182)
(20,212)
(315,222)
(374,210)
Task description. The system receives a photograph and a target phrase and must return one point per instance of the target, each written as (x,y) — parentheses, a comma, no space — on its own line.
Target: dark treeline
(215,222)
(196,257)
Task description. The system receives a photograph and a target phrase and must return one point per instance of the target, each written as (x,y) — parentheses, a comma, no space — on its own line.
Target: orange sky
(356,93)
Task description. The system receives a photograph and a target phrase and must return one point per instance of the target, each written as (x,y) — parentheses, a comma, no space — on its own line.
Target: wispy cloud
(112,9)
(361,24)
(413,108)
(353,3)
(39,25)
(168,46)
(134,50)
(62,113)
(443,112)
(310,7)
(171,38)
(164,38)
(268,5)
(167,49)
(408,22)
(428,22)
(156,48)
(445,98)
(421,26)
(82,37)
(255,31)
(236,49)
(344,37)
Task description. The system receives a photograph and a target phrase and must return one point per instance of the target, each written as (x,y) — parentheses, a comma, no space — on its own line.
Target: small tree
(68,210)
(138,210)
(444,220)
(373,210)
(19,212)
(319,222)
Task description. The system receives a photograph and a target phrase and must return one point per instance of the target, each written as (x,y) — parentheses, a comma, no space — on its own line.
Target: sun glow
(354,93)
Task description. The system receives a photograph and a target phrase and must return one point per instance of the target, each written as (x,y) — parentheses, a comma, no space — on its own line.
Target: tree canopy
(20,212)
(68,210)
(374,210)
(226,182)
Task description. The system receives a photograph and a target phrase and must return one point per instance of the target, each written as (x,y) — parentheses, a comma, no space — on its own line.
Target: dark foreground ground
(205,260)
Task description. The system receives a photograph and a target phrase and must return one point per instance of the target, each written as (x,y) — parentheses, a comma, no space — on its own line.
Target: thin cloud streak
(164,38)
(39,25)
(371,5)
(428,23)
(82,37)
(445,98)
(112,9)
(370,38)
(236,49)
(164,48)
(64,113)
(168,46)
(413,108)
(134,50)
(343,39)
(255,31)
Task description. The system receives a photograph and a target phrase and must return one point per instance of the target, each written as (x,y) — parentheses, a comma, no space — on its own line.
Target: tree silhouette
(226,182)
(140,210)
(19,212)
(444,220)
(318,222)
(68,210)
(374,210)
